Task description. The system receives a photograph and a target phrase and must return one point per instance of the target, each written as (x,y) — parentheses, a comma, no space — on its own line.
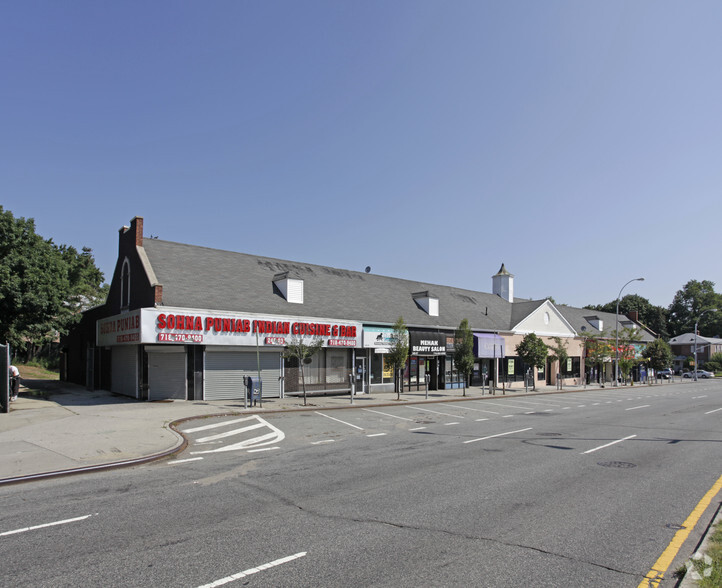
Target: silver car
(700,374)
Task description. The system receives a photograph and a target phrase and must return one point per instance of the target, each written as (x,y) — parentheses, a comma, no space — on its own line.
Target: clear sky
(577,142)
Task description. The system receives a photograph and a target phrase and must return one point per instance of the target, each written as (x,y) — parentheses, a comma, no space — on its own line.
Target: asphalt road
(573,490)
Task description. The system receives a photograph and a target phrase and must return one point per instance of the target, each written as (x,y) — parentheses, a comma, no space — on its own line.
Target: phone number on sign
(179,338)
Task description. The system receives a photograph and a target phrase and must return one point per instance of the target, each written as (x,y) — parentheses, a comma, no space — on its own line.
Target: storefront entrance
(360,376)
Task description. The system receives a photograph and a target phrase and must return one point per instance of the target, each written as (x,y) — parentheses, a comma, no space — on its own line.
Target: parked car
(665,374)
(700,374)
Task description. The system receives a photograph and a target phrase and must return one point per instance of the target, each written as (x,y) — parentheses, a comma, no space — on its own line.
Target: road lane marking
(393,416)
(263,449)
(636,407)
(45,525)
(176,461)
(447,424)
(230,433)
(715,410)
(417,429)
(250,571)
(216,425)
(456,416)
(376,435)
(609,444)
(275,436)
(323,441)
(498,435)
(339,421)
(656,574)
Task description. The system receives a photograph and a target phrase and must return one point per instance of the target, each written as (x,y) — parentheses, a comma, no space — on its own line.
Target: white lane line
(216,425)
(609,444)
(489,411)
(376,435)
(175,461)
(636,407)
(262,449)
(276,436)
(393,416)
(250,571)
(45,525)
(498,435)
(447,424)
(505,405)
(479,420)
(323,441)
(417,429)
(507,416)
(339,421)
(466,407)
(266,439)
(456,416)
(230,433)
(715,410)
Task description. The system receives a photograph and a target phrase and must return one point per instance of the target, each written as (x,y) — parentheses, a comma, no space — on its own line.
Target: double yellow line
(656,574)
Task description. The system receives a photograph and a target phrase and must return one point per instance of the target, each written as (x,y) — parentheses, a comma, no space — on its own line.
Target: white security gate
(166,373)
(224,371)
(124,370)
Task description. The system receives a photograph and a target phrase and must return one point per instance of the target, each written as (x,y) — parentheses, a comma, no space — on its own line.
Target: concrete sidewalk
(54,428)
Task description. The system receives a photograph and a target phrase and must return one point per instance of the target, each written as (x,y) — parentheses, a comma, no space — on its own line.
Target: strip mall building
(187,322)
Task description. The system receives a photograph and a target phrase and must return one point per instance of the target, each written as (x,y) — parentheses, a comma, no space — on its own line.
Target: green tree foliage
(688,305)
(599,350)
(302,353)
(654,317)
(628,337)
(532,351)
(396,357)
(559,352)
(464,351)
(42,286)
(715,363)
(659,354)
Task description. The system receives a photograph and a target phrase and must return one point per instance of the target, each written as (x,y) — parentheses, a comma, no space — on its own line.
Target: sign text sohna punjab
(198,324)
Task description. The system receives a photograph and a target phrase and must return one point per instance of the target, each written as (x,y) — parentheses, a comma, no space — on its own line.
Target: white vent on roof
(290,288)
(428,302)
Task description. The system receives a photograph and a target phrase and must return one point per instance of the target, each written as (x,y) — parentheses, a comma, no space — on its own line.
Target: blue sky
(579,143)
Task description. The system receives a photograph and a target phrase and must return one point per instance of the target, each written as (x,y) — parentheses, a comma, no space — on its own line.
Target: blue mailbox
(254,389)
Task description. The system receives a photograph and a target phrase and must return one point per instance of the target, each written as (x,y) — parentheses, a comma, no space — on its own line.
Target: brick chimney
(633,315)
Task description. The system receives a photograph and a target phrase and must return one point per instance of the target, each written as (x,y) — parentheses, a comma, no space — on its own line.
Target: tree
(43,286)
(399,352)
(533,352)
(464,351)
(298,350)
(688,305)
(627,352)
(659,354)
(598,350)
(654,317)
(559,353)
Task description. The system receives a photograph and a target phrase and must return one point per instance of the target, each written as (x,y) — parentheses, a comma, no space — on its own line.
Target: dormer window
(125,285)
(290,288)
(427,302)
(596,322)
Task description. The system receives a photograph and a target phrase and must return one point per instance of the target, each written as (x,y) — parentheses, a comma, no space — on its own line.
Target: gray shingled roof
(212,279)
(578,319)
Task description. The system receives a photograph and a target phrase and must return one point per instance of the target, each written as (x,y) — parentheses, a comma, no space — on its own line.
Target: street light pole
(695,338)
(616,331)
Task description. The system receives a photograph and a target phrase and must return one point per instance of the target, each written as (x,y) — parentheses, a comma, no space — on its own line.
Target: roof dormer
(427,301)
(596,322)
(290,288)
